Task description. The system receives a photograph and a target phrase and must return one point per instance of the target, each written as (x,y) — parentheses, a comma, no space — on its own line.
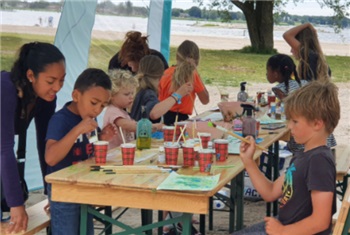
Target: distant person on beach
(50,20)
(40,21)
(307,191)
(68,141)
(183,73)
(27,92)
(134,48)
(307,50)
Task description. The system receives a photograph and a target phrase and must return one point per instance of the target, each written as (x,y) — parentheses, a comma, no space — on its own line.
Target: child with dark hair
(281,69)
(307,190)
(27,92)
(68,143)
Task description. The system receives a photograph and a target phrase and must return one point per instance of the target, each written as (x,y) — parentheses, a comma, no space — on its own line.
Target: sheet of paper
(189,183)
(213,117)
(142,155)
(267,120)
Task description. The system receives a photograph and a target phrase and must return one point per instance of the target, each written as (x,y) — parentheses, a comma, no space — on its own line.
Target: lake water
(124,24)
(178,27)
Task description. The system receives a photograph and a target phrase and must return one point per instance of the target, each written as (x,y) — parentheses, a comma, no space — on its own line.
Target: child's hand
(87,125)
(273,226)
(108,132)
(157,127)
(247,150)
(185,89)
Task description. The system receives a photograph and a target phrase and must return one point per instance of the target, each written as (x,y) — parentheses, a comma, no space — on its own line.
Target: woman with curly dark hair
(134,48)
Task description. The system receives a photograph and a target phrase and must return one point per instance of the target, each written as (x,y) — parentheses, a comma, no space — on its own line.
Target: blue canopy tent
(73,38)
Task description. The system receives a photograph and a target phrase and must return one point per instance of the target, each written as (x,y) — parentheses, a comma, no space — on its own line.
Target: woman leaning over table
(182,77)
(27,92)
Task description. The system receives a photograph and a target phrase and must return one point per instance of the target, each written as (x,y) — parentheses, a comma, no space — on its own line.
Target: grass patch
(217,67)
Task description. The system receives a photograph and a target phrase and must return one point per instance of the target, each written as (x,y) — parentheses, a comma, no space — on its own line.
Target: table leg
(160,218)
(268,174)
(239,203)
(211,214)
(186,223)
(83,219)
(276,173)
(147,218)
(202,224)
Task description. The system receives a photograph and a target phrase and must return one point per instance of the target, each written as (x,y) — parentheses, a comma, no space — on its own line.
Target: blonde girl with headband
(306,48)
(179,86)
(124,85)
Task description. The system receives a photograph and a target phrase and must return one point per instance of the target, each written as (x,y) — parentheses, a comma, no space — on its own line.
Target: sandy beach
(215,43)
(254,211)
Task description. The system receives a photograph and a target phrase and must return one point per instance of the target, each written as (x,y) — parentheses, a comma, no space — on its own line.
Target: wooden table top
(80,185)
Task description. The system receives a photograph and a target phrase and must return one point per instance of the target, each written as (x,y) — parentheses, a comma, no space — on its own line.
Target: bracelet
(174,98)
(177,97)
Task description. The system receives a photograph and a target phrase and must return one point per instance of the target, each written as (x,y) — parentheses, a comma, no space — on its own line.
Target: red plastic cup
(205,160)
(128,153)
(221,149)
(189,154)
(100,151)
(171,153)
(168,132)
(205,138)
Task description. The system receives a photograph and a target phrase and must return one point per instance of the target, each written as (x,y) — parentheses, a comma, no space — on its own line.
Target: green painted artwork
(189,183)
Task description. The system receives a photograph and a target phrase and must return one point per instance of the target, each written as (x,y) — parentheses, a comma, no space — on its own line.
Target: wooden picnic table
(77,184)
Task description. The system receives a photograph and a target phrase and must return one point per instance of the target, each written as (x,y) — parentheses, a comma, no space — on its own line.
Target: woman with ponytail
(134,48)
(27,92)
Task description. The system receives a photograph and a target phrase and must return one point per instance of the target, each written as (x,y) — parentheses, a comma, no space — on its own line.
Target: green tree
(260,19)
(195,12)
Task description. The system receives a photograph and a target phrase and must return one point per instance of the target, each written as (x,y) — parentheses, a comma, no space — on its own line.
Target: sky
(307,7)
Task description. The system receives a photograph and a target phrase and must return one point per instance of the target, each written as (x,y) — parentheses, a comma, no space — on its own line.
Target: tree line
(128,9)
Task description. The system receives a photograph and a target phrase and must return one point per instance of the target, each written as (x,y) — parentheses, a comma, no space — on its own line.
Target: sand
(253,211)
(215,43)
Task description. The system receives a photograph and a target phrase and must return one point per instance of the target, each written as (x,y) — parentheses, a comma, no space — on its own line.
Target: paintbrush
(211,124)
(130,169)
(176,118)
(93,136)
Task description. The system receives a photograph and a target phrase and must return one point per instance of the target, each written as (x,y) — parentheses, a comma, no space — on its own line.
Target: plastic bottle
(242,95)
(161,155)
(273,110)
(283,115)
(143,131)
(249,122)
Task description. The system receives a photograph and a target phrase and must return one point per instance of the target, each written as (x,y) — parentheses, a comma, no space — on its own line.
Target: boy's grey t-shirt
(311,170)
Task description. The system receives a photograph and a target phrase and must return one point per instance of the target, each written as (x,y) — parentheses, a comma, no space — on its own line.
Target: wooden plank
(343,214)
(133,198)
(38,219)
(342,156)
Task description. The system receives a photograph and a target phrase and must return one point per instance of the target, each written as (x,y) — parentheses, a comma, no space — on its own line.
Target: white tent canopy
(73,38)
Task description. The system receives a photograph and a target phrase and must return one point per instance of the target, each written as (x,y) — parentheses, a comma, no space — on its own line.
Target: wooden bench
(342,160)
(342,224)
(38,219)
